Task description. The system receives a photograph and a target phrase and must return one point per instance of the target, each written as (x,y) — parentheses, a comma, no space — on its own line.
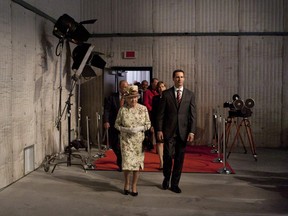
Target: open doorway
(131,74)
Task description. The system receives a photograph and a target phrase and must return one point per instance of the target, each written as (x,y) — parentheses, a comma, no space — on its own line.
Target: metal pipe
(35,10)
(177,34)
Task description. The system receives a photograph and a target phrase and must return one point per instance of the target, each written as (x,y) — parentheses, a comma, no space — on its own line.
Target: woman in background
(132,121)
(161,86)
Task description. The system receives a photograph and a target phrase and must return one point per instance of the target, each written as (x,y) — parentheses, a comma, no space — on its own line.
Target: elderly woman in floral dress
(132,121)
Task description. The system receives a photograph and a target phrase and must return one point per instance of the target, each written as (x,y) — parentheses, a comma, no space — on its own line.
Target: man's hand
(160,135)
(106,125)
(190,137)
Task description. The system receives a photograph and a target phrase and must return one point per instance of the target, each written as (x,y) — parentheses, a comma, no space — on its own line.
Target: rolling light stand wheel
(89,167)
(46,168)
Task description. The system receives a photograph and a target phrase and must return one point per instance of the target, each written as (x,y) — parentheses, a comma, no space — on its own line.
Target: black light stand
(66,28)
(68,149)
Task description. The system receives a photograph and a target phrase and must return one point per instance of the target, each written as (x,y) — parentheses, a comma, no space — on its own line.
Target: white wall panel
(260,78)
(285,16)
(171,53)
(6,160)
(174,16)
(216,78)
(216,16)
(136,16)
(261,15)
(131,16)
(100,10)
(284,107)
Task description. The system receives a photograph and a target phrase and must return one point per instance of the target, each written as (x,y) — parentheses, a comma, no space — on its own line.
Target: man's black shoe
(165,184)
(176,189)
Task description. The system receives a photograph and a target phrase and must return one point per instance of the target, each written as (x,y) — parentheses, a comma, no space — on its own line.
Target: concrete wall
(31,77)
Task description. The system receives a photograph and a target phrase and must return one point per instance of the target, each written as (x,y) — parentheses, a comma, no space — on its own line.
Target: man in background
(112,105)
(142,88)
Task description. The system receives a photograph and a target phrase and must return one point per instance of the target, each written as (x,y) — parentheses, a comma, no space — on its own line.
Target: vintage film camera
(238,107)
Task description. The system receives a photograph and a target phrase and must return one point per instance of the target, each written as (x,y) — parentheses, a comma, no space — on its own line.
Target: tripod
(246,123)
(232,122)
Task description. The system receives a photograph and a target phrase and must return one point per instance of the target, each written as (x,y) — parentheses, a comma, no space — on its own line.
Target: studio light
(67,28)
(84,59)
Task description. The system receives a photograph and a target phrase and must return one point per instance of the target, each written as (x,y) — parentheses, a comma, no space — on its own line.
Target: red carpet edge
(198,159)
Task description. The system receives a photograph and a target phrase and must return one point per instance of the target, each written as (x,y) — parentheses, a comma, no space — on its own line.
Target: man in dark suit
(176,125)
(112,105)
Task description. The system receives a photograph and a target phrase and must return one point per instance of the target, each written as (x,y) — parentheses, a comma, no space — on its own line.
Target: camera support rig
(240,109)
(246,123)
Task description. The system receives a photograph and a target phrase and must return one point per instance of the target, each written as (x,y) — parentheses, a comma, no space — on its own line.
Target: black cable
(61,42)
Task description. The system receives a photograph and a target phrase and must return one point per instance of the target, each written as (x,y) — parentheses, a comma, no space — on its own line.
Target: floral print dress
(131,144)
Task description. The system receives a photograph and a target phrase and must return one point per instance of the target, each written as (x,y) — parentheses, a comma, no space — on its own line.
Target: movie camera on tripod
(238,107)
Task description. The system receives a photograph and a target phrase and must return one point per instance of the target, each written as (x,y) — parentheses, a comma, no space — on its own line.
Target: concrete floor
(257,188)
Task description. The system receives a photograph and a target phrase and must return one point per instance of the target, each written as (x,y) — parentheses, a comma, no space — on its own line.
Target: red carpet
(198,159)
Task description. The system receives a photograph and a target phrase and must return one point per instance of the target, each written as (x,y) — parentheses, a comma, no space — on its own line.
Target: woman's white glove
(132,130)
(125,130)
(138,129)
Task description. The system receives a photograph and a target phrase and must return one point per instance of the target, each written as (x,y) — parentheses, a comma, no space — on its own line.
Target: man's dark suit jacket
(172,116)
(111,108)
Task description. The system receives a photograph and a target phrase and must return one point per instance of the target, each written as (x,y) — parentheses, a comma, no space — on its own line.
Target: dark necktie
(121,100)
(178,96)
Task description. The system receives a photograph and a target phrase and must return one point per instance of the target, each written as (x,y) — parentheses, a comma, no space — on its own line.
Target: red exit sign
(129,54)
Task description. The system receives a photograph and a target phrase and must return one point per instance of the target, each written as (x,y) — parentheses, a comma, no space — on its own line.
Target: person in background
(142,88)
(144,85)
(147,101)
(140,100)
(176,125)
(161,86)
(111,106)
(149,94)
(132,121)
(137,83)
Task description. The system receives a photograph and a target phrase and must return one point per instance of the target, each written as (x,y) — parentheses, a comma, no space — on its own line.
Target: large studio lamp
(67,28)
(84,60)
